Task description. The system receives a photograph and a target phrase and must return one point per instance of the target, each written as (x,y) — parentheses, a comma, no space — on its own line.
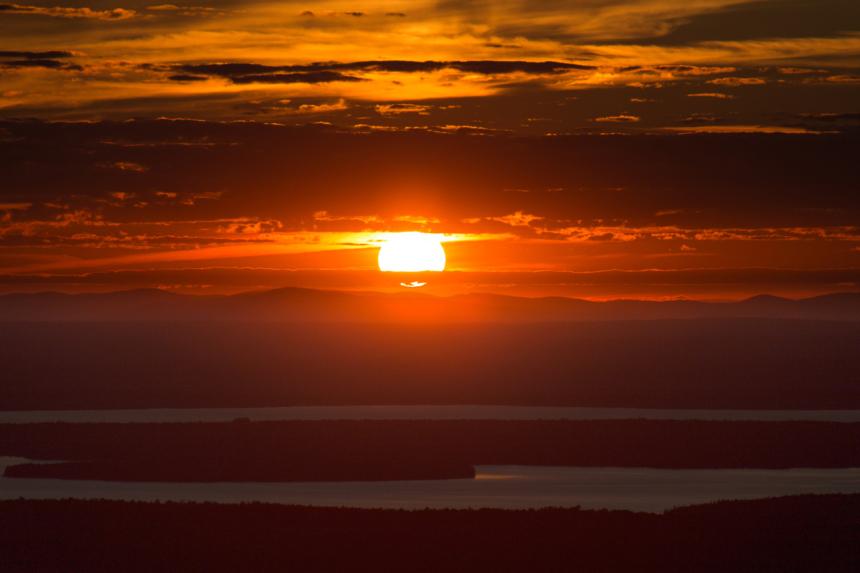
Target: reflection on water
(418,413)
(510,487)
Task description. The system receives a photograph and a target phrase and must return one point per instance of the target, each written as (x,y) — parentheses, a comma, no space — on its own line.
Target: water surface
(506,487)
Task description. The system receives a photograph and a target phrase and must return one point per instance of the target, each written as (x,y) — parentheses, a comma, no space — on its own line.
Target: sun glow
(412,253)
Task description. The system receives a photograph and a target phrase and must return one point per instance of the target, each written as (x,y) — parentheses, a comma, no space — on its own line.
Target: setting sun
(412,253)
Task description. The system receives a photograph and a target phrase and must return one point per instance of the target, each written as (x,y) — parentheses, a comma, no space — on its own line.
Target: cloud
(734,81)
(487,67)
(320,77)
(22,206)
(491,66)
(185,10)
(772,51)
(620,118)
(248,73)
(230,70)
(518,219)
(832,117)
(712,95)
(221,169)
(402,108)
(438,75)
(35,63)
(787,130)
(847,79)
(794,71)
(112,14)
(51,60)
(129,166)
(50,55)
(571,23)
(187,78)
(312,108)
(697,118)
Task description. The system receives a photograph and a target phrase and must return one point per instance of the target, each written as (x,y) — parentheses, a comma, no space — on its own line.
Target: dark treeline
(792,534)
(756,363)
(354,450)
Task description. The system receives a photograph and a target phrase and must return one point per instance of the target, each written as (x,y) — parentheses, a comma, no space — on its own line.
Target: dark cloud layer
(49,60)
(67,12)
(241,72)
(291,172)
(40,63)
(320,77)
(49,55)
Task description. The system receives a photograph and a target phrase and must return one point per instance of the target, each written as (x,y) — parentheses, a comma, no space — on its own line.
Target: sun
(412,253)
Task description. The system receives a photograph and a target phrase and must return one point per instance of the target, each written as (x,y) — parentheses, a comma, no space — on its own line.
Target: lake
(508,487)
(468,412)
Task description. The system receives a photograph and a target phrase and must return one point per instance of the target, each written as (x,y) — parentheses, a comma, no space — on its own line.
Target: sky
(595,148)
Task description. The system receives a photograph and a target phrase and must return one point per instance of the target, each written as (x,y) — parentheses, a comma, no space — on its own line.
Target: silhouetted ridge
(299,304)
(766,299)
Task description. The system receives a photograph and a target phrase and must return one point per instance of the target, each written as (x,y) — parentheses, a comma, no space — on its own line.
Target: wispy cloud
(712,95)
(620,118)
(69,12)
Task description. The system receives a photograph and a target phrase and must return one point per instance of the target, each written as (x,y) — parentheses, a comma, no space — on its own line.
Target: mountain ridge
(304,304)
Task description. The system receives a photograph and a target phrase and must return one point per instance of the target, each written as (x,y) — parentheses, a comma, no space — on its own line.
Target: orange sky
(602,149)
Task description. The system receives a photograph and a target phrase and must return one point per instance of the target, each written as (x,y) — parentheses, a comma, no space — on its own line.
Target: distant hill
(301,305)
